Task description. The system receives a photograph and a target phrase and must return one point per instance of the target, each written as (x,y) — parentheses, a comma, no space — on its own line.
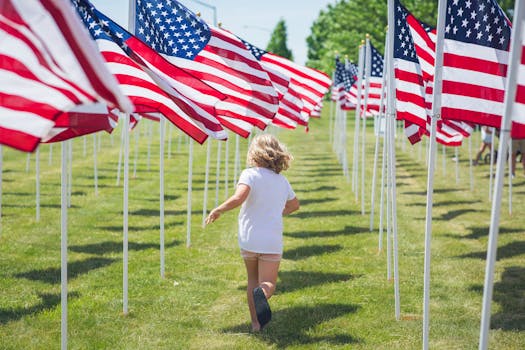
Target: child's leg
(253,281)
(268,270)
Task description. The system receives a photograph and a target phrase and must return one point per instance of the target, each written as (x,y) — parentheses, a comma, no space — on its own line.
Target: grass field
(332,293)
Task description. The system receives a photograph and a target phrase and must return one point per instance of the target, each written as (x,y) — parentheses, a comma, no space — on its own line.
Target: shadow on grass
(452,214)
(305,202)
(115,247)
(305,252)
(74,269)
(119,228)
(348,230)
(317,214)
(290,281)
(48,302)
(32,205)
(290,326)
(439,190)
(155,212)
(167,197)
(444,203)
(483,231)
(507,251)
(509,293)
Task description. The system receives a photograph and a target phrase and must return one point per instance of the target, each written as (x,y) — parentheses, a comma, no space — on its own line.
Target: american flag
(80,121)
(290,105)
(410,87)
(211,54)
(310,84)
(351,94)
(475,55)
(45,75)
(375,81)
(152,83)
(345,76)
(518,108)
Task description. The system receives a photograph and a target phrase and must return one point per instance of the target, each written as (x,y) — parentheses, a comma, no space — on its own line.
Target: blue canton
(99,25)
(377,63)
(480,22)
(170,28)
(254,49)
(403,42)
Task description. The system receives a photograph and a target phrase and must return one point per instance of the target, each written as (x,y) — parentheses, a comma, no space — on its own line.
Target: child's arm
(291,206)
(240,195)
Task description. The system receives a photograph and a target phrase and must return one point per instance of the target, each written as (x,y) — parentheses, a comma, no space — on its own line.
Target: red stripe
(471,116)
(409,77)
(21,103)
(474,64)
(520,94)
(470,90)
(18,140)
(77,48)
(236,129)
(517,131)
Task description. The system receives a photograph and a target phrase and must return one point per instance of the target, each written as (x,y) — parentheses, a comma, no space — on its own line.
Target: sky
(252,20)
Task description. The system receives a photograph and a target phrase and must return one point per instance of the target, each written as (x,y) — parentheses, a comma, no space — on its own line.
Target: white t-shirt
(261,215)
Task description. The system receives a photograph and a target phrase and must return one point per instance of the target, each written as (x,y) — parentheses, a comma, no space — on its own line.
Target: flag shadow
(507,251)
(348,230)
(48,302)
(305,252)
(119,228)
(115,247)
(290,326)
(314,214)
(452,214)
(305,202)
(74,269)
(483,231)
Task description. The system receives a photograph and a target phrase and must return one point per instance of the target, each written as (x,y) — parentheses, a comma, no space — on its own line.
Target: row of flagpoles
(440,82)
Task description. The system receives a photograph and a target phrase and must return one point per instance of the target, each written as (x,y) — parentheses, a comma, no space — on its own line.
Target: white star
(464,23)
(487,28)
(468,3)
(460,12)
(467,34)
(489,38)
(476,26)
(479,35)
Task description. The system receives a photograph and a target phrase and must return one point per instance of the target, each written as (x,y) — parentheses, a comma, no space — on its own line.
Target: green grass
(333,291)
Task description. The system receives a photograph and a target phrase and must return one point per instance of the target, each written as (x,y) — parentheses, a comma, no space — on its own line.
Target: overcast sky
(252,20)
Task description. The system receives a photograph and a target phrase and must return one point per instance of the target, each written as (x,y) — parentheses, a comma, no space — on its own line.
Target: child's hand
(214,215)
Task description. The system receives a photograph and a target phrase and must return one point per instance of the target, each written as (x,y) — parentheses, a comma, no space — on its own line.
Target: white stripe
(474,78)
(474,104)
(26,122)
(482,52)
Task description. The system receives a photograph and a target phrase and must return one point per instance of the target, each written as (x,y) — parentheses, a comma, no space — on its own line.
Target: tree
(342,26)
(277,44)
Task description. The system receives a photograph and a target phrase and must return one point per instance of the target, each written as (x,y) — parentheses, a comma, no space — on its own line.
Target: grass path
(333,291)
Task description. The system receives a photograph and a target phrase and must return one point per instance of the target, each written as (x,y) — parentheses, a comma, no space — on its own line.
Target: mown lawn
(333,291)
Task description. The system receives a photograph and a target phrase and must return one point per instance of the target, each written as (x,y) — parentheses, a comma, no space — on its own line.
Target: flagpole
(190,180)
(206,180)
(237,160)
(70,175)
(63,246)
(470,163)
(509,163)
(357,121)
(37,178)
(95,170)
(512,74)
(162,122)
(226,167)
(136,157)
(120,157)
(491,162)
(218,173)
(1,172)
(377,132)
(382,200)
(392,159)
(330,116)
(368,62)
(436,110)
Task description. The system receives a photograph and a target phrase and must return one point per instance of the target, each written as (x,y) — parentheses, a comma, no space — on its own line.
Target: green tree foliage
(341,27)
(277,44)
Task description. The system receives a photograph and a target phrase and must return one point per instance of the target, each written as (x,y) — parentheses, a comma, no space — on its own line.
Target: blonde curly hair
(266,151)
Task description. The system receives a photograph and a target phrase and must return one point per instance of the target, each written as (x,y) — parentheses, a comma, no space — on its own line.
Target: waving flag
(375,81)
(475,55)
(211,54)
(45,75)
(345,76)
(152,83)
(80,121)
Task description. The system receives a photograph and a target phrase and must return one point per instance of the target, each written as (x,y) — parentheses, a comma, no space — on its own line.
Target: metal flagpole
(1,171)
(136,158)
(162,122)
(63,246)
(95,170)
(392,159)
(382,200)
(226,167)
(236,162)
(218,173)
(190,180)
(378,133)
(491,162)
(436,110)
(470,163)
(368,63)
(149,137)
(355,163)
(514,61)
(206,180)
(120,157)
(37,178)
(70,176)
(444,161)
(509,163)
(330,115)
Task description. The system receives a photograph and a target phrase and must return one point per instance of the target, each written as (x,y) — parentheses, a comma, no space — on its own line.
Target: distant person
(486,142)
(518,147)
(266,196)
